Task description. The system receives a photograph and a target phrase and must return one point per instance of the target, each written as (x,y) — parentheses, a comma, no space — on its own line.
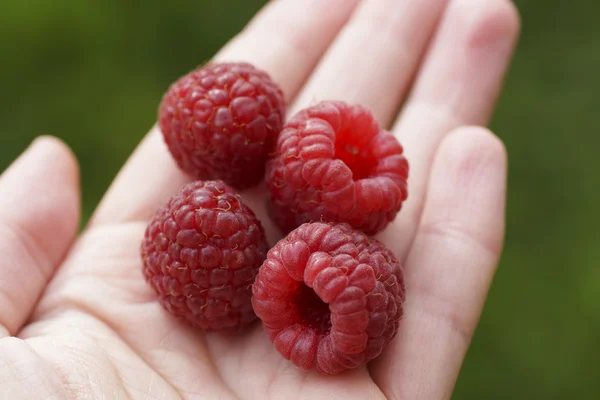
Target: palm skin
(77,319)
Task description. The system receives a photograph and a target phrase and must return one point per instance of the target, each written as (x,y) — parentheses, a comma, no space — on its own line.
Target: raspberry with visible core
(221,122)
(201,253)
(333,163)
(330,298)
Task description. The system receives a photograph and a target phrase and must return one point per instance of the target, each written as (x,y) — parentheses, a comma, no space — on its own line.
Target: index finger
(286,39)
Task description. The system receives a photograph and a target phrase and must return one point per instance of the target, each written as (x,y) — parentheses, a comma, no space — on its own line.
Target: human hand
(85,324)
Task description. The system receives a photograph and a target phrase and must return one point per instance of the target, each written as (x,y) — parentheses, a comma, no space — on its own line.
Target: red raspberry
(221,122)
(333,163)
(329,297)
(201,253)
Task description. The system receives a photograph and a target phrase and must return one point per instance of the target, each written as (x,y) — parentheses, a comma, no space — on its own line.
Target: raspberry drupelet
(221,121)
(333,163)
(330,298)
(201,253)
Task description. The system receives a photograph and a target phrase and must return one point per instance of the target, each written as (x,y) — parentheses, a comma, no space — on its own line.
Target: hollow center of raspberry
(314,312)
(358,158)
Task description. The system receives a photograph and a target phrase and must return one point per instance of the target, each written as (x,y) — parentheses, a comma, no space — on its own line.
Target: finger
(286,39)
(375,56)
(458,85)
(450,267)
(39,216)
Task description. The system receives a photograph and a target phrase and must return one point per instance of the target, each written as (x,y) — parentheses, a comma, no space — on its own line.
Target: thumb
(39,217)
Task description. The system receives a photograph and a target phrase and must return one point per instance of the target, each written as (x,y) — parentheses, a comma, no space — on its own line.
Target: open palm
(77,319)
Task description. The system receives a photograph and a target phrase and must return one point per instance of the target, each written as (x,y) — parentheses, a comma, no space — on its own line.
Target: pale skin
(77,319)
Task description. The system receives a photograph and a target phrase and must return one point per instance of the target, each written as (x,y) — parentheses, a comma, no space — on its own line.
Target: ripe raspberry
(333,163)
(201,253)
(221,122)
(329,297)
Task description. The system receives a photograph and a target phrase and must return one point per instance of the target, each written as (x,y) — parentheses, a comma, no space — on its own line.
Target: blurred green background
(92,72)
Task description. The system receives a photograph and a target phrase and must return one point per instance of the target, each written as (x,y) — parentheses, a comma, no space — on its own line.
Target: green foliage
(92,72)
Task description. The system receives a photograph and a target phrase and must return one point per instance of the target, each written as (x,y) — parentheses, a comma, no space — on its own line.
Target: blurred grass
(92,72)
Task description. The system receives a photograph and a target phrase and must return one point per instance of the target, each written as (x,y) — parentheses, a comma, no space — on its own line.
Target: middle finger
(373,59)
(458,85)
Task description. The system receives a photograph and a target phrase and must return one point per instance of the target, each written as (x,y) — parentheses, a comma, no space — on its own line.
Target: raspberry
(201,253)
(221,122)
(333,163)
(330,298)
